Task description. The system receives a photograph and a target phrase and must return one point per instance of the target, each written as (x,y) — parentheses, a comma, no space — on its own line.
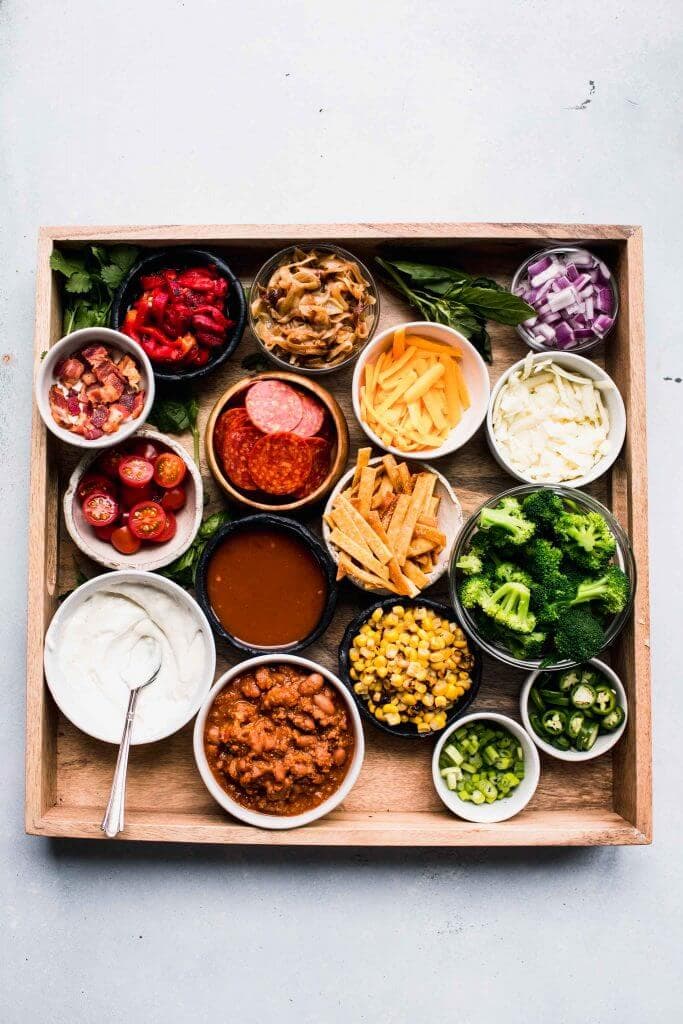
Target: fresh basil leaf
(425,273)
(79,282)
(170,416)
(212,524)
(503,306)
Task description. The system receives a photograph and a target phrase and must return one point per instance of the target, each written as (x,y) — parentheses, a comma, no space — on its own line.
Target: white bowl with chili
(94,388)
(278,741)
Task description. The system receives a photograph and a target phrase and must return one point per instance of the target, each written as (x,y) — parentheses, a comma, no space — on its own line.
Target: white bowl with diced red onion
(574,295)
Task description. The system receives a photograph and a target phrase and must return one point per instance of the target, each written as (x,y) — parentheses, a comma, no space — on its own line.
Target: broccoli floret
(506,524)
(508,572)
(471,564)
(543,560)
(543,507)
(474,589)
(588,539)
(611,591)
(526,645)
(578,635)
(509,606)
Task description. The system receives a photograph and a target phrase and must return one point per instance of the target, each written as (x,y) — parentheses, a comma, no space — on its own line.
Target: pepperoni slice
(320,468)
(273,406)
(236,417)
(236,450)
(280,463)
(312,417)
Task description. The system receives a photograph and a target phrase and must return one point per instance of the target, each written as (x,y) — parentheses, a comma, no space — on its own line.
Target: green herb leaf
(183,571)
(176,413)
(501,306)
(79,282)
(66,265)
(424,274)
(112,275)
(124,256)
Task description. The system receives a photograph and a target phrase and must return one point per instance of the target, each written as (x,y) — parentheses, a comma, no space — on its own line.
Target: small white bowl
(257,817)
(150,556)
(71,343)
(103,717)
(473,368)
(509,806)
(604,742)
(613,403)
(449,519)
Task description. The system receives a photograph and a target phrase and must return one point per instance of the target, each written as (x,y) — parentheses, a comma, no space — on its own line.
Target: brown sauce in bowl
(266,588)
(279,739)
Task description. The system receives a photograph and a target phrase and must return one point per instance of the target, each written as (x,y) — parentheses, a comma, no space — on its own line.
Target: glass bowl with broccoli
(542,577)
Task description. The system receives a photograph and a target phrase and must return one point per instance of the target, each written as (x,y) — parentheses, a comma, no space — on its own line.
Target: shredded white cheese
(551,425)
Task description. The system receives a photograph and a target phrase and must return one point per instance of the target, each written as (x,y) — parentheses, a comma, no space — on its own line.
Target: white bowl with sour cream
(88,647)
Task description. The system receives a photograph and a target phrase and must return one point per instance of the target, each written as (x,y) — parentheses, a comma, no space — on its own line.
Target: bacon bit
(104,369)
(94,354)
(127,400)
(92,433)
(73,405)
(114,421)
(99,416)
(70,370)
(129,369)
(88,378)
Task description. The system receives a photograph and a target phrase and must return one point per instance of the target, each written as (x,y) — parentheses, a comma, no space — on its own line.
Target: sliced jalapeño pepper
(536,699)
(569,679)
(587,737)
(605,700)
(536,723)
(555,699)
(583,696)
(575,724)
(613,719)
(560,743)
(554,721)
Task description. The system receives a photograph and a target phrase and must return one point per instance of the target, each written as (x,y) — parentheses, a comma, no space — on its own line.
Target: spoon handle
(112,823)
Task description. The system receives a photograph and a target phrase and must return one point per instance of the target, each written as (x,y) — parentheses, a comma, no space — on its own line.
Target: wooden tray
(606,801)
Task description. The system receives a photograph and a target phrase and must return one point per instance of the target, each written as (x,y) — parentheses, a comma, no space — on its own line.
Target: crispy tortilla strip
(362,460)
(432,506)
(420,546)
(424,519)
(368,535)
(367,579)
(422,490)
(366,489)
(415,575)
(359,553)
(431,533)
(407,481)
(403,585)
(391,469)
(382,494)
(376,523)
(399,514)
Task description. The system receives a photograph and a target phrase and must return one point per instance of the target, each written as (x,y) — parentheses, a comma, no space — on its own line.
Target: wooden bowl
(338,422)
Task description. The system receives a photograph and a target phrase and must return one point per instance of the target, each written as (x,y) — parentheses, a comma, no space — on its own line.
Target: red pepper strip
(205,323)
(150,281)
(159,303)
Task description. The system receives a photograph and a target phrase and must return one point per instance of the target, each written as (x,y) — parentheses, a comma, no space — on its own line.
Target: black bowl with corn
(410,666)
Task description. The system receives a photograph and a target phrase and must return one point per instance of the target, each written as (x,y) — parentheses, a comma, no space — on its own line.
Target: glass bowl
(562,250)
(261,279)
(623,558)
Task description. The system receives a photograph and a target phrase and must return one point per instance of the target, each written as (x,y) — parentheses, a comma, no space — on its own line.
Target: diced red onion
(572,296)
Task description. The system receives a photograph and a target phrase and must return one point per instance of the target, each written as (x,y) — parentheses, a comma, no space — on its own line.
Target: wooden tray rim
(569,827)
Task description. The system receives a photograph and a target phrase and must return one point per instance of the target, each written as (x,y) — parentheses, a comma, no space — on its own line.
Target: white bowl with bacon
(94,388)
(390,526)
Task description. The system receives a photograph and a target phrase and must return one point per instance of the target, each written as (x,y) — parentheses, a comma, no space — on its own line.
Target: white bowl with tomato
(137,505)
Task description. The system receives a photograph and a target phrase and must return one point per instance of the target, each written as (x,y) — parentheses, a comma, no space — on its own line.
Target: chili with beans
(279,740)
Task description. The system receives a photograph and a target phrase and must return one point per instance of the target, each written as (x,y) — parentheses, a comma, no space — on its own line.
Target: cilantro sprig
(91,273)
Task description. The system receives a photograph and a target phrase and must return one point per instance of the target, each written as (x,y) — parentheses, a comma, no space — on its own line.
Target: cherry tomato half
(105,532)
(169,470)
(147,520)
(100,509)
(134,471)
(145,449)
(109,463)
(91,482)
(169,530)
(174,499)
(124,541)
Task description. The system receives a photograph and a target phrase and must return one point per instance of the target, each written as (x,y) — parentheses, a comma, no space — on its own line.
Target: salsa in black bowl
(266,584)
(401,636)
(185,308)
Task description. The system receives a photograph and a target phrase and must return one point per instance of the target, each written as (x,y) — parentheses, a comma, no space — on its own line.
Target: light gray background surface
(169,112)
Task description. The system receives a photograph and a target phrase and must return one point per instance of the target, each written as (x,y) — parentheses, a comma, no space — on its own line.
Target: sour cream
(113,638)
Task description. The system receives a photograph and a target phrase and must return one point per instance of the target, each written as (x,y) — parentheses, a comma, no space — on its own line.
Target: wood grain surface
(393,803)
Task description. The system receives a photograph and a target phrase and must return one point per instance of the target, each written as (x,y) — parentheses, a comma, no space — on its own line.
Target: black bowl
(179,259)
(407,730)
(270,522)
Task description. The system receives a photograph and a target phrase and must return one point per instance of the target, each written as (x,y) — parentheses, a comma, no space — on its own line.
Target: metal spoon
(150,663)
